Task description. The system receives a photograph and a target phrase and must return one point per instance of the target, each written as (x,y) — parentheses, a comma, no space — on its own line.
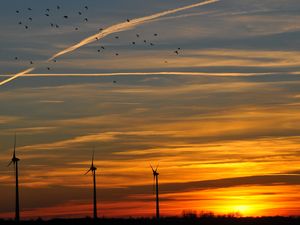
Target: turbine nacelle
(155,173)
(92,168)
(14,159)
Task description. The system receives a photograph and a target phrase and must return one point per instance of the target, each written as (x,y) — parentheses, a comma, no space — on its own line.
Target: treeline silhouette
(208,219)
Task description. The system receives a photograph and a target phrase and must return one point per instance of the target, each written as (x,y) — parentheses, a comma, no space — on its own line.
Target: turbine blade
(157,167)
(152,167)
(87,172)
(9,163)
(15,144)
(93,157)
(153,186)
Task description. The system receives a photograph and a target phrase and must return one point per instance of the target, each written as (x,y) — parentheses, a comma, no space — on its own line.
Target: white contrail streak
(16,76)
(179,73)
(127,26)
(113,29)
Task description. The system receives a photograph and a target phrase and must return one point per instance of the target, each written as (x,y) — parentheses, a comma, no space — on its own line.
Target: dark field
(169,221)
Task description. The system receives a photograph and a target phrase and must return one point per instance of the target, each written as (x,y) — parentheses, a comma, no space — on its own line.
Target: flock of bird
(50,12)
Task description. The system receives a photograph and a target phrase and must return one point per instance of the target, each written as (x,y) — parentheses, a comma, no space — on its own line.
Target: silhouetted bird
(54,60)
(80,13)
(31,62)
(155,34)
(151,44)
(58,7)
(47,14)
(133,43)
(114,81)
(86,7)
(48,10)
(179,48)
(100,29)
(20,23)
(138,35)
(176,52)
(86,20)
(145,41)
(117,54)
(29,9)
(30,18)
(128,20)
(102,47)
(116,37)
(48,68)
(17,11)
(76,28)
(66,17)
(26,27)
(16,58)
(51,24)
(57,26)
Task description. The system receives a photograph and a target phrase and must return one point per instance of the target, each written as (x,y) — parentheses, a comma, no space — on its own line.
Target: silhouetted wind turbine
(15,161)
(93,169)
(155,179)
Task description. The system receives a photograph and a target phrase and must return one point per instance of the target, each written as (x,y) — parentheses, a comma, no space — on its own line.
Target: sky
(220,118)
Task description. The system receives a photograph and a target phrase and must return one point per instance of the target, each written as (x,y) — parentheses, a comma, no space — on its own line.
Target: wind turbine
(93,169)
(155,179)
(15,161)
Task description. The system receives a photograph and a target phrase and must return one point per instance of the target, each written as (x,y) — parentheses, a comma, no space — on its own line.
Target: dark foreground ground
(168,221)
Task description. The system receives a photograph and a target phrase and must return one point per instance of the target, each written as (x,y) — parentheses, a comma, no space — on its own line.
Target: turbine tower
(93,169)
(15,161)
(155,179)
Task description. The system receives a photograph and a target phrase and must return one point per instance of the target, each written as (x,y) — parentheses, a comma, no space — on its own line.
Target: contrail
(127,26)
(16,76)
(113,29)
(179,73)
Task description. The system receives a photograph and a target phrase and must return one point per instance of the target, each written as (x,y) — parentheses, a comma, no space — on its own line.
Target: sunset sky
(222,118)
